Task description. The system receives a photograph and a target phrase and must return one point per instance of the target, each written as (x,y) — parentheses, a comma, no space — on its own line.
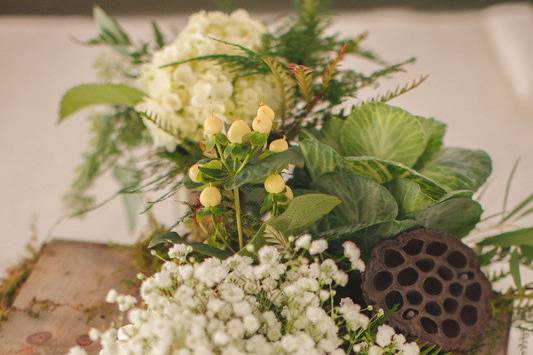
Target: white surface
(480,84)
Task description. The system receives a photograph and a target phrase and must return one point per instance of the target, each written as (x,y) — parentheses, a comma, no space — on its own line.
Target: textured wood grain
(64,297)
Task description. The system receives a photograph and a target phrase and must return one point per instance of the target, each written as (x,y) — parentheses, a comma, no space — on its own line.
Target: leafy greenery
(303,211)
(85,95)
(383,132)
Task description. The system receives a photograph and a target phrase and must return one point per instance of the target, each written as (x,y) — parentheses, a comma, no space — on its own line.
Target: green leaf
(514,268)
(257,171)
(257,241)
(365,202)
(385,132)
(167,237)
(302,212)
(409,196)
(129,178)
(331,131)
(158,35)
(434,131)
(457,216)
(109,27)
(383,171)
(85,95)
(486,258)
(319,158)
(459,169)
(208,250)
(527,251)
(522,236)
(173,237)
(523,204)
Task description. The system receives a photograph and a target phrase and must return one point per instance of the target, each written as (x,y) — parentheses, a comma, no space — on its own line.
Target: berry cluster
(228,150)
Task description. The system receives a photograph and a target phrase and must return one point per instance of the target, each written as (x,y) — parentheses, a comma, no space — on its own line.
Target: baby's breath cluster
(280,304)
(229,149)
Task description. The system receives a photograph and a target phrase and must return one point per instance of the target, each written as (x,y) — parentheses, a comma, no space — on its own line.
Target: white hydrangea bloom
(183,96)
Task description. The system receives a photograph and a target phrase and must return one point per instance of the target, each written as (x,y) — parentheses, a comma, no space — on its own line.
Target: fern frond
(304,78)
(285,83)
(275,238)
(369,80)
(496,276)
(399,90)
(245,64)
(332,67)
(158,122)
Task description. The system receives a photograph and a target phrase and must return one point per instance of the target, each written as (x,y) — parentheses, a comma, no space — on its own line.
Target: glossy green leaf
(434,132)
(257,171)
(457,216)
(302,212)
(385,132)
(167,237)
(459,169)
(409,196)
(365,202)
(383,171)
(514,268)
(319,158)
(85,95)
(522,236)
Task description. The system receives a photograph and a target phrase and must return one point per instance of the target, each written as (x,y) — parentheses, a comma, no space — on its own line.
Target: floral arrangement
(292,186)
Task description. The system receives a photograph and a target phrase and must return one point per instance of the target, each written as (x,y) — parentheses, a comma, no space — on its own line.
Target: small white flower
(77,350)
(111,296)
(303,242)
(318,246)
(375,350)
(384,335)
(179,252)
(410,349)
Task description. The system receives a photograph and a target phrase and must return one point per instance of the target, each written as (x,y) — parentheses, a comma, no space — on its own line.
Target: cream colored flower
(182,96)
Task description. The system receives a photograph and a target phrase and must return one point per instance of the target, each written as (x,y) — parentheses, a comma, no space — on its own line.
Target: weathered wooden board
(64,297)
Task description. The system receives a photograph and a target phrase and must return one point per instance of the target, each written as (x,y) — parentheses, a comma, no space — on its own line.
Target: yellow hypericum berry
(274,184)
(210,197)
(213,125)
(213,164)
(289,193)
(237,131)
(278,145)
(262,124)
(193,173)
(266,111)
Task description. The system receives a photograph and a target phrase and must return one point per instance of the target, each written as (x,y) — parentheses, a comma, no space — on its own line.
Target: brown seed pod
(435,280)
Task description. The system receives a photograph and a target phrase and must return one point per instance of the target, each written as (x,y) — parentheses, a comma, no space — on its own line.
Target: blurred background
(478,55)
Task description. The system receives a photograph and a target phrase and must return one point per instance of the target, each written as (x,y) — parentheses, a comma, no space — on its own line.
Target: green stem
(238,216)
(221,155)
